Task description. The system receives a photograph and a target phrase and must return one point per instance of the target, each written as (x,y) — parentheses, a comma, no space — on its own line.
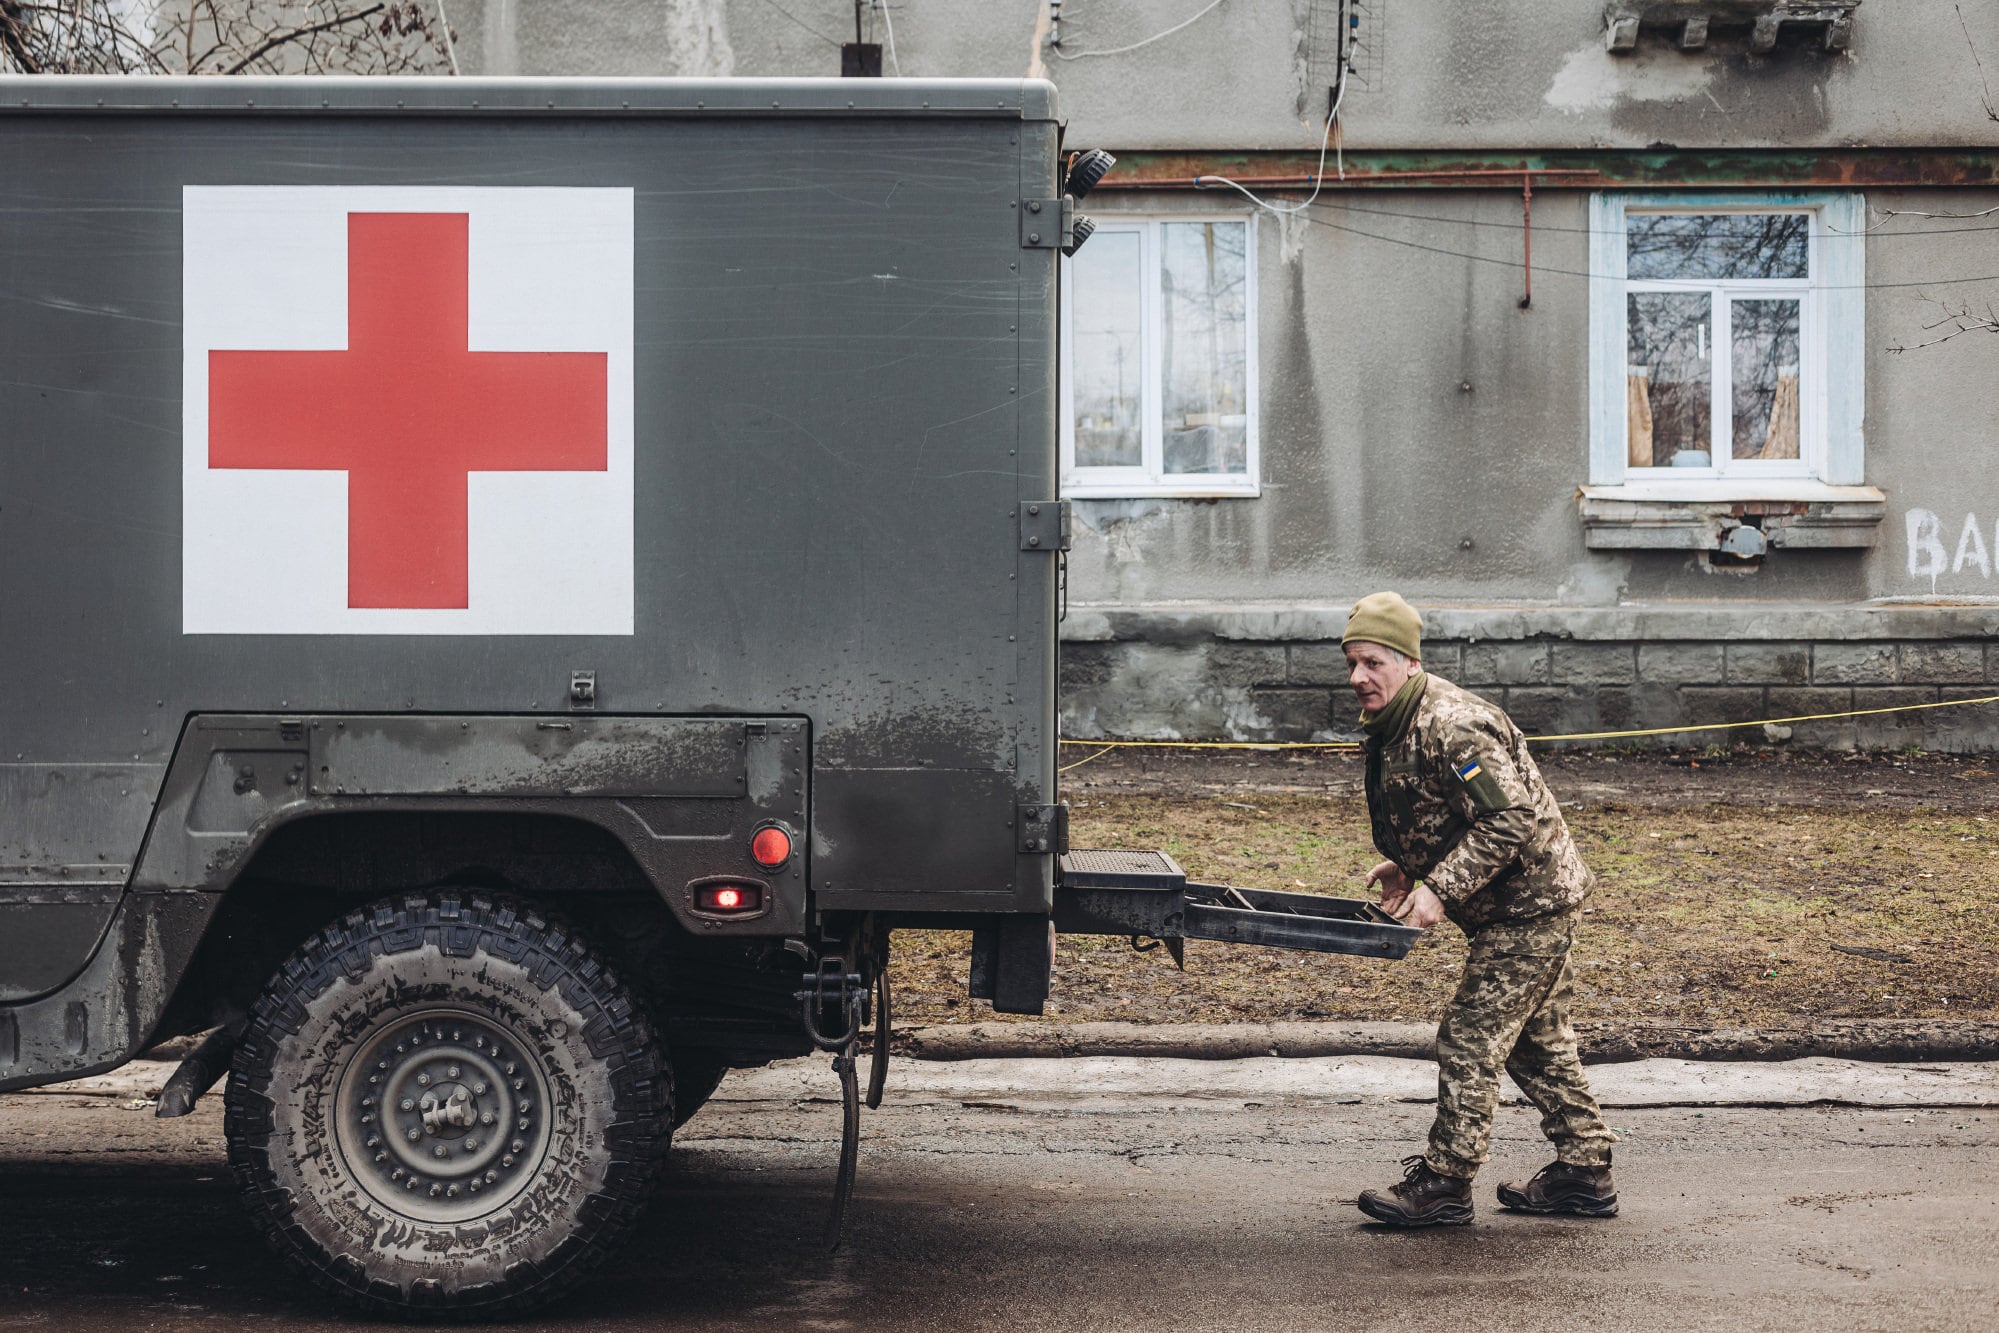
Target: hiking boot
(1423,1199)
(1561,1187)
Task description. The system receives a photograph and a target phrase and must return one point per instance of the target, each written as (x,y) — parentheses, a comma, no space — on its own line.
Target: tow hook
(832,987)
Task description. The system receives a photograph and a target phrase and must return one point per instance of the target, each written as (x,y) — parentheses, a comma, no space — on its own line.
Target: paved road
(1067,1195)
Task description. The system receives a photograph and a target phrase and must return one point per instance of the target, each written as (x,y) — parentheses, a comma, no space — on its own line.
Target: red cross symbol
(408,410)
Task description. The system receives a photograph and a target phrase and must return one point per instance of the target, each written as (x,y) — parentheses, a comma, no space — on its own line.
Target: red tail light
(729,898)
(770,848)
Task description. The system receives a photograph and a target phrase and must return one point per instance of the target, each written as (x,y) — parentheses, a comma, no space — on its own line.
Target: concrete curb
(1114,1083)
(1872,1040)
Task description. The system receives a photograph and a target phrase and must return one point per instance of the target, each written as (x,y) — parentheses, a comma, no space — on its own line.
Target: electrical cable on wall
(1342,78)
(888,27)
(1873,231)
(801,23)
(1581,273)
(1318,177)
(1118,50)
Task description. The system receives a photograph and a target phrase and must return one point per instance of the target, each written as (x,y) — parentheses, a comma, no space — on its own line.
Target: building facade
(1614,337)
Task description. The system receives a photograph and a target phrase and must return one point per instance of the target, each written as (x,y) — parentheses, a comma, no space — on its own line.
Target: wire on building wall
(801,23)
(888,27)
(1514,225)
(1055,39)
(1342,79)
(1449,253)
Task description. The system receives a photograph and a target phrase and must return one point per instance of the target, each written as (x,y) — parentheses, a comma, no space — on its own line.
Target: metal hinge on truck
(1044,525)
(1044,829)
(1047,224)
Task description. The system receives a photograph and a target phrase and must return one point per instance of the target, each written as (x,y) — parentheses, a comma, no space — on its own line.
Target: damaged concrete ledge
(1664,516)
(1191,622)
(1605,1043)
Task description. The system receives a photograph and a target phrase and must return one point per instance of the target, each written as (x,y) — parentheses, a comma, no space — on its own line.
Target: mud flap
(1013,960)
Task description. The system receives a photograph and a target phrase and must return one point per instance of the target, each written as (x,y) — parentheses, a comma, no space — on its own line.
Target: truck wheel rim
(440,1116)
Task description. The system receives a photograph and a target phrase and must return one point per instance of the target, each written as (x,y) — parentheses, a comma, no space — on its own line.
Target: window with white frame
(1159,384)
(1726,339)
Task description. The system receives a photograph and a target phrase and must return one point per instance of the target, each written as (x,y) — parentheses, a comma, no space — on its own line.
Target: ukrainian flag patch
(1484,789)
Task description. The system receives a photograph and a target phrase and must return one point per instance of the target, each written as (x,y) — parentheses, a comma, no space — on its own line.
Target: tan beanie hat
(1384,618)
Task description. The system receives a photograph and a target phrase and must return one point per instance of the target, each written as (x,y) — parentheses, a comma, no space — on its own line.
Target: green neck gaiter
(1388,725)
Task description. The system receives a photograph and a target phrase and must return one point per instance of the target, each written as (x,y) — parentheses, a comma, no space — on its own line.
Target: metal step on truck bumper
(1147,895)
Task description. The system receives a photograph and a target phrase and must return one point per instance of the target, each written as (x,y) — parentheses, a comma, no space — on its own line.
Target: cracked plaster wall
(1453,73)
(1380,465)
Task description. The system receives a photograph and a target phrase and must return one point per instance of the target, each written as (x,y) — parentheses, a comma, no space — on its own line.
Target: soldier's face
(1377,674)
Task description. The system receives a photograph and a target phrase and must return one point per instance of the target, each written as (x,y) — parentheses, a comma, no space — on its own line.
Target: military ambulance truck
(510,592)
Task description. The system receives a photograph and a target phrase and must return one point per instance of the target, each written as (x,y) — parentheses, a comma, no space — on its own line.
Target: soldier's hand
(1394,885)
(1422,909)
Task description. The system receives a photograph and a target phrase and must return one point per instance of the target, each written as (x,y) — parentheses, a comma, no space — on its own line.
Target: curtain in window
(1638,416)
(1782,439)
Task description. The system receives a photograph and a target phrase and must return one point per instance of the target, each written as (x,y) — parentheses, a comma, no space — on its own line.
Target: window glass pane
(1717,245)
(1669,379)
(1764,379)
(1204,346)
(1107,357)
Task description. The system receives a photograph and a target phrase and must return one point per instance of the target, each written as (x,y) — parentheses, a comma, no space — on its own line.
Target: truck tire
(446,1102)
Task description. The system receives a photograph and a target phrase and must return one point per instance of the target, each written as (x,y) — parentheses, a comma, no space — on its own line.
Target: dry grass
(1713,915)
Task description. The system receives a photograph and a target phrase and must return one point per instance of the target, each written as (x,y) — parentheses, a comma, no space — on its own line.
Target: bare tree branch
(1955,321)
(13,39)
(298,34)
(1912,213)
(120,37)
(1991,112)
(241,36)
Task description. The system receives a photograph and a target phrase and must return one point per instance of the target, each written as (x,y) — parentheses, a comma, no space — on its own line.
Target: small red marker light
(729,898)
(770,848)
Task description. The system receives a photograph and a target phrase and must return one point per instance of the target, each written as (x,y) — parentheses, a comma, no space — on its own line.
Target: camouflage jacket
(1456,801)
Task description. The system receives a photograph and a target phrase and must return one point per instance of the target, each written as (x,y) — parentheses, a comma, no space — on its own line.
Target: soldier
(1471,832)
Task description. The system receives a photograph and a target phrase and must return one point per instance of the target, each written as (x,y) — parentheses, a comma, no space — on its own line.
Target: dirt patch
(1751,892)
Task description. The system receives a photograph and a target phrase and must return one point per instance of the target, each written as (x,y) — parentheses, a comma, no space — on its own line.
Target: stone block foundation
(1277,674)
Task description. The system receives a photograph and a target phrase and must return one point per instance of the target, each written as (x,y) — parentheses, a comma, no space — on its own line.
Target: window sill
(1663,515)
(1072,490)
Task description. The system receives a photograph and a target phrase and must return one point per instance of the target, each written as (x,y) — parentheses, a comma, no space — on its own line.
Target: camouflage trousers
(1511,1010)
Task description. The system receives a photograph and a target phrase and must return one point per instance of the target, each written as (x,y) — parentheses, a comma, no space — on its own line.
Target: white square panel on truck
(423,394)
